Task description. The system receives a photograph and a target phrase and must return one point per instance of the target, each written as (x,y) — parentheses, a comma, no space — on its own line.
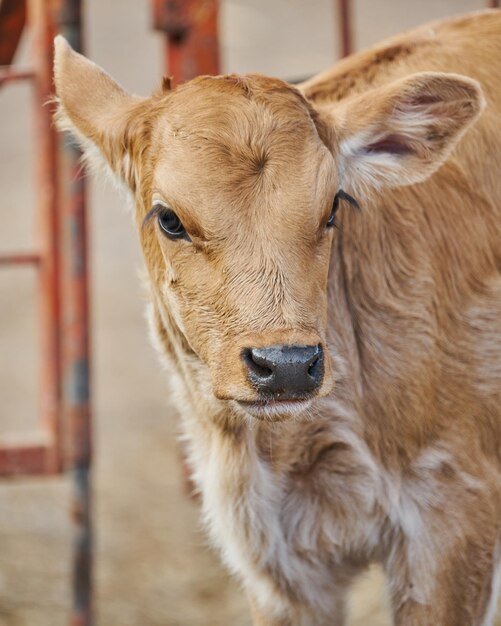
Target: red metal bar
(12,21)
(191,30)
(345,27)
(76,373)
(46,146)
(8,75)
(42,457)
(25,460)
(19,258)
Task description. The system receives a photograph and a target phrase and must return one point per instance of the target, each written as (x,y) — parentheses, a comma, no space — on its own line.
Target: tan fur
(398,458)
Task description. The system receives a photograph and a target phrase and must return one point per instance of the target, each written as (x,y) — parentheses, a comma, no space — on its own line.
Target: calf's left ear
(97,111)
(400,133)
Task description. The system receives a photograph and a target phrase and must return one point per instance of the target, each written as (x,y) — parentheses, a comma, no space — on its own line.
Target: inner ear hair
(400,133)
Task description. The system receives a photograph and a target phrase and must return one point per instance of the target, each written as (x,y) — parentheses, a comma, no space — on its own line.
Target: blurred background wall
(153,567)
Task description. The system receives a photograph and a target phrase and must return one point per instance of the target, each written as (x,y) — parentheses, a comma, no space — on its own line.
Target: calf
(324,265)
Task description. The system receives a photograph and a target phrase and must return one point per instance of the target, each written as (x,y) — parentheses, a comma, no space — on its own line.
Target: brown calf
(338,371)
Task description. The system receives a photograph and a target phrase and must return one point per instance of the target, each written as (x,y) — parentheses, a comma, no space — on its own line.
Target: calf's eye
(171,225)
(340,195)
(332,217)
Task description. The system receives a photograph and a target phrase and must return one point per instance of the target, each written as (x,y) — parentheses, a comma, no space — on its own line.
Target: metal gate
(62,442)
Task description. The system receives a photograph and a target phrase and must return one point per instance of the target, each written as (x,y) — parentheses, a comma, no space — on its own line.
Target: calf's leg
(300,616)
(459,588)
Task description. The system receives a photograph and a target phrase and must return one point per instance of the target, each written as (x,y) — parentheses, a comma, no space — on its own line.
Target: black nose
(285,372)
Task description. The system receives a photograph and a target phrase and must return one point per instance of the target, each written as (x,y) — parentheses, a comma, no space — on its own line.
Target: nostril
(258,368)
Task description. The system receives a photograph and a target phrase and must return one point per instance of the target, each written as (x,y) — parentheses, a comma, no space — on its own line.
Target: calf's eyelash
(152,212)
(342,195)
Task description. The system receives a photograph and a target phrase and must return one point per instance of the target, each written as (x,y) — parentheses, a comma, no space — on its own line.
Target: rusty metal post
(493,4)
(345,27)
(12,21)
(76,373)
(191,30)
(41,19)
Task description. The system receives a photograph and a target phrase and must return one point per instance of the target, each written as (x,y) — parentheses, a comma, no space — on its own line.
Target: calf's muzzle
(285,372)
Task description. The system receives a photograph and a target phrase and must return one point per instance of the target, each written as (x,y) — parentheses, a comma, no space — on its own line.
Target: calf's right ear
(97,111)
(400,133)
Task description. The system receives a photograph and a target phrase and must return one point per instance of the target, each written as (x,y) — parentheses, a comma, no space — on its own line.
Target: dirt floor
(153,566)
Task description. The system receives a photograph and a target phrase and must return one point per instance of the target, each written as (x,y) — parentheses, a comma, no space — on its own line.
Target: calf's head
(237,181)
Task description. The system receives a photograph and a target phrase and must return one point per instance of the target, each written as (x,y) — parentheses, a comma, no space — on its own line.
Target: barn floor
(153,566)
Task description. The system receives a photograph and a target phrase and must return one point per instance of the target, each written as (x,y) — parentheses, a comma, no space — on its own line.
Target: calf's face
(237,181)
(240,200)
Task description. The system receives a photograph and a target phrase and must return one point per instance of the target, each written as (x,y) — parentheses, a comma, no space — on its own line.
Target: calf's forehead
(239,155)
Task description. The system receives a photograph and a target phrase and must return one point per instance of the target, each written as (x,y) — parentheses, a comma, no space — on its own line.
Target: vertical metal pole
(41,18)
(76,390)
(12,21)
(344,13)
(493,4)
(192,42)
